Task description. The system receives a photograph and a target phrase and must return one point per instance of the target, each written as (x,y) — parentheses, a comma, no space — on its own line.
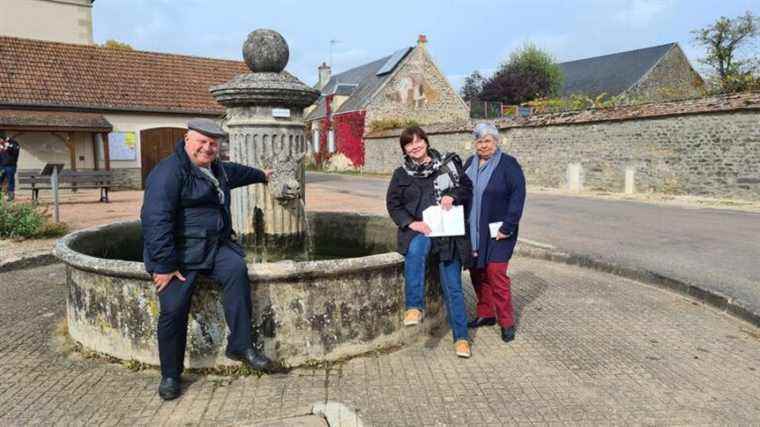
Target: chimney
(422,39)
(324,75)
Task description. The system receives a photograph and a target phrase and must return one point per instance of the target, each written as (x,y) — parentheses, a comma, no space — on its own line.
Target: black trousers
(231,273)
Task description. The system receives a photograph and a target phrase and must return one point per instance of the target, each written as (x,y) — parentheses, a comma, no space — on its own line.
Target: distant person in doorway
(497,206)
(424,179)
(9,152)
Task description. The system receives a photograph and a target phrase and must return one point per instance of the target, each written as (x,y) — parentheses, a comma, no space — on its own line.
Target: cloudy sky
(463,35)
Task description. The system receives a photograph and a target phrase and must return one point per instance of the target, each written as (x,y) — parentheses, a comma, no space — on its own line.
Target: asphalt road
(716,249)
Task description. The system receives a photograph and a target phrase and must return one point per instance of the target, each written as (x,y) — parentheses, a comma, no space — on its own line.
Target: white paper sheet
(444,223)
(494,228)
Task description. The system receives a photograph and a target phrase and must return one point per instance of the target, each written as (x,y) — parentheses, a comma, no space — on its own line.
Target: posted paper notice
(444,223)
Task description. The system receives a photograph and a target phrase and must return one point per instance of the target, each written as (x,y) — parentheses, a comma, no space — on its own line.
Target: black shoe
(481,321)
(169,388)
(253,359)
(508,334)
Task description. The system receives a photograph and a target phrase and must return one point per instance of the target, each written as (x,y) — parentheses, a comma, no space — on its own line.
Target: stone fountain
(348,302)
(266,130)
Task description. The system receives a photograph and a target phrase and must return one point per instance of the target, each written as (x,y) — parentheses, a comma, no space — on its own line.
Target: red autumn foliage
(324,128)
(349,133)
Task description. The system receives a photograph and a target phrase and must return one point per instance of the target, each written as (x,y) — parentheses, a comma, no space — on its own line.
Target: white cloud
(640,13)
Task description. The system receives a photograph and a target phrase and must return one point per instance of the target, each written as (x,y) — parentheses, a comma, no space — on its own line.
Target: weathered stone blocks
(303,311)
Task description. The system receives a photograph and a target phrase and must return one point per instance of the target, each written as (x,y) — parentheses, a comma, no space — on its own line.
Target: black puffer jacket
(409,196)
(9,156)
(183,221)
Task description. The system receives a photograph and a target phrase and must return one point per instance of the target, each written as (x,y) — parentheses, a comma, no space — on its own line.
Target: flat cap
(207,127)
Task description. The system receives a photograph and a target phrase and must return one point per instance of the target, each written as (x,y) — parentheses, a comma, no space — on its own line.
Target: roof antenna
(333,42)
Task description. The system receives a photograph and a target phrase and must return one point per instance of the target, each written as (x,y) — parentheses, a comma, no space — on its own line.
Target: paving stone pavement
(591,348)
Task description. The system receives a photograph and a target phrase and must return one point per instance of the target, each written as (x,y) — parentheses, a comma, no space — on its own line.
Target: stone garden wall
(706,146)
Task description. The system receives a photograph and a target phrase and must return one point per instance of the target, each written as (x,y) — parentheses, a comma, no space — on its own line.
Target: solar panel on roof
(393,61)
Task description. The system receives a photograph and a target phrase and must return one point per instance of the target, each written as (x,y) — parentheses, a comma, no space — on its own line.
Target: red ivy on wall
(324,128)
(349,135)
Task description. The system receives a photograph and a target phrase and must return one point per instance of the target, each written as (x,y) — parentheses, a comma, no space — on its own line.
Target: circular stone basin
(303,312)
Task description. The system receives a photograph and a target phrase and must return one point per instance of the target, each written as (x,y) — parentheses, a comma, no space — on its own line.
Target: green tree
(473,85)
(530,73)
(726,42)
(115,44)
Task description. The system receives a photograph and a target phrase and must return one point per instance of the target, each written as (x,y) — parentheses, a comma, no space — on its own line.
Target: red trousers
(492,286)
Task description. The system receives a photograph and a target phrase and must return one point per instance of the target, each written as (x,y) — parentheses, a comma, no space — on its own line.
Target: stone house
(656,73)
(91,107)
(65,21)
(404,86)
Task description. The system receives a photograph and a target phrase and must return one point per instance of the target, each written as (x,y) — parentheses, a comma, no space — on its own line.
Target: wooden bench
(71,180)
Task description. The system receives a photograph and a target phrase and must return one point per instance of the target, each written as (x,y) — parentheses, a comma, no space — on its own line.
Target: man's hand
(163,279)
(501,236)
(447,202)
(268,173)
(420,227)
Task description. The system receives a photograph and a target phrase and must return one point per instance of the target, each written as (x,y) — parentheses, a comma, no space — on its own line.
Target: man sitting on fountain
(187,230)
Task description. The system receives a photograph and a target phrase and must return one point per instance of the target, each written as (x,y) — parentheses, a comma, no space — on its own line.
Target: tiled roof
(611,74)
(367,81)
(53,120)
(743,101)
(48,74)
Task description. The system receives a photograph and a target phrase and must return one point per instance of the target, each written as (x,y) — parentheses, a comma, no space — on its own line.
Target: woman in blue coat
(498,200)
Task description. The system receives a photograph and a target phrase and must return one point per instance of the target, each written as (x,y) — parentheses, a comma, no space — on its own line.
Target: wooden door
(156,144)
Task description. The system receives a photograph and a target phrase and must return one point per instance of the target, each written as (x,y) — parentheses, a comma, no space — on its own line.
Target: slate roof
(613,73)
(367,81)
(35,73)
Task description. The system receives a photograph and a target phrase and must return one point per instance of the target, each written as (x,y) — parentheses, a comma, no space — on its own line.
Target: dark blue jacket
(183,221)
(503,200)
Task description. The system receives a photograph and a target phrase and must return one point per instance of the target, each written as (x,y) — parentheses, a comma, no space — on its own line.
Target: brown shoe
(412,317)
(462,347)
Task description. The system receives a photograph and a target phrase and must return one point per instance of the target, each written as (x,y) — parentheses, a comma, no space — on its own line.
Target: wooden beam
(72,151)
(95,160)
(61,137)
(106,151)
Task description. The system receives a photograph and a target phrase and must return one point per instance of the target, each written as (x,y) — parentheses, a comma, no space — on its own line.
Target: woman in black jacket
(425,179)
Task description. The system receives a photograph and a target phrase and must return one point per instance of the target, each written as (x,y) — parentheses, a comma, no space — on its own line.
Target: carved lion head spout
(286,168)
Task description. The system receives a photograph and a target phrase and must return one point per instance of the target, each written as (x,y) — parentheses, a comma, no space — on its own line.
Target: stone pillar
(266,129)
(574,177)
(630,180)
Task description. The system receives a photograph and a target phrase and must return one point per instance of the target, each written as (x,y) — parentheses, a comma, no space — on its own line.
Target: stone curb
(28,260)
(712,298)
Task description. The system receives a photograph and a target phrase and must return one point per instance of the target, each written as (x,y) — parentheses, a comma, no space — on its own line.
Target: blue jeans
(415,262)
(9,173)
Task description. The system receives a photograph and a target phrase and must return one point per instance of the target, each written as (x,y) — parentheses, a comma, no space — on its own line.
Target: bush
(529,73)
(27,221)
(579,101)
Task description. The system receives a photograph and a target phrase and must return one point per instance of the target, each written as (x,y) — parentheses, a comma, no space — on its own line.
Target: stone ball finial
(266,51)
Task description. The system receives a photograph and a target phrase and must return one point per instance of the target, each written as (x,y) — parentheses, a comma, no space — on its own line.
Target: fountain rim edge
(257,272)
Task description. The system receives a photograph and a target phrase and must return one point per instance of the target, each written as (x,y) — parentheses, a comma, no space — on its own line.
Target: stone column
(266,129)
